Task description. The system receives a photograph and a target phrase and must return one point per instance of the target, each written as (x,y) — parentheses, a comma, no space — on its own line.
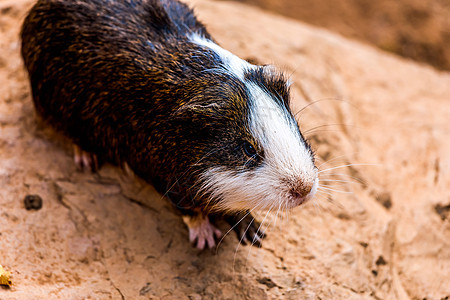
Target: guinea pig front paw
(248,230)
(201,231)
(84,160)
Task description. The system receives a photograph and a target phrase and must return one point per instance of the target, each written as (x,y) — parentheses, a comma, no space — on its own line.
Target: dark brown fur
(122,81)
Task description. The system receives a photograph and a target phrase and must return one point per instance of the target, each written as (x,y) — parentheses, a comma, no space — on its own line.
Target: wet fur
(124,81)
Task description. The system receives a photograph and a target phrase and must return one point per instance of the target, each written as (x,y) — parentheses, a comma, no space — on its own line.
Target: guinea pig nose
(301,191)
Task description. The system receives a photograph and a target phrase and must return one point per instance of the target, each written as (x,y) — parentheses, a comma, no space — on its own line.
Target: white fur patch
(287,161)
(231,62)
(277,132)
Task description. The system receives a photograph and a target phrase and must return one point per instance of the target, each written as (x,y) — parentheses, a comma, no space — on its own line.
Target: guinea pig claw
(254,236)
(248,230)
(84,160)
(201,232)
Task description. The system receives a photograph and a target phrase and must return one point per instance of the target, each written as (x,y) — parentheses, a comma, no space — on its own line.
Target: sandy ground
(383,234)
(416,29)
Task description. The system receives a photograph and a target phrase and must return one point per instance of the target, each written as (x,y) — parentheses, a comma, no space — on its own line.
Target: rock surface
(381,231)
(416,29)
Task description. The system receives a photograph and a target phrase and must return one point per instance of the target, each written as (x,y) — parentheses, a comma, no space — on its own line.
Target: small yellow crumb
(5,277)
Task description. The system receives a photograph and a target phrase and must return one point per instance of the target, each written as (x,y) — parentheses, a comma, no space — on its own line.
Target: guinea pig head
(248,151)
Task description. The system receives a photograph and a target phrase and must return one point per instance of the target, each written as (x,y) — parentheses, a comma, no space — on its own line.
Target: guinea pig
(142,83)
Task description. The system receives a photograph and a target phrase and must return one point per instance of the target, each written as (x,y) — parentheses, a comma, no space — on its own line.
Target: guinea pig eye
(249,150)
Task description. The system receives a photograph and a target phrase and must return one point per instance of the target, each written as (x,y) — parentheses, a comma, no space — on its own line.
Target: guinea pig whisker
(229,230)
(324,192)
(288,212)
(332,201)
(245,231)
(333,190)
(207,154)
(273,222)
(237,223)
(309,134)
(335,180)
(241,239)
(249,159)
(326,125)
(335,158)
(316,205)
(276,215)
(348,165)
(323,177)
(256,238)
(310,104)
(317,101)
(336,185)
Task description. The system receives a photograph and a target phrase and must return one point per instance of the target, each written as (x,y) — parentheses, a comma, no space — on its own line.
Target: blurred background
(416,29)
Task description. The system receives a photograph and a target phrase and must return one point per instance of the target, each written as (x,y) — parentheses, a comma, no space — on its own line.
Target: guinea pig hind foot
(84,160)
(201,232)
(248,230)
